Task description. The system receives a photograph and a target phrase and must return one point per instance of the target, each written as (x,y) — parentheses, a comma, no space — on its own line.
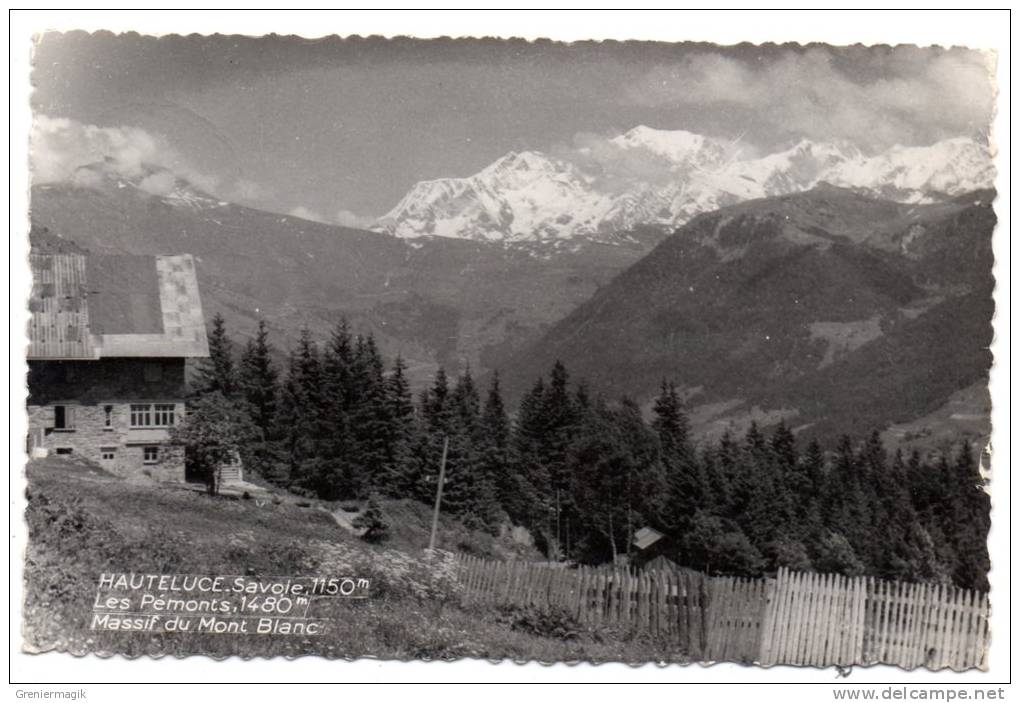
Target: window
(164,415)
(63,417)
(64,450)
(108,453)
(153,372)
(148,415)
(141,416)
(107,417)
(150,455)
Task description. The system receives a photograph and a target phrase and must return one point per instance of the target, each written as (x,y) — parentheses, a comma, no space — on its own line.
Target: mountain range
(649,177)
(837,291)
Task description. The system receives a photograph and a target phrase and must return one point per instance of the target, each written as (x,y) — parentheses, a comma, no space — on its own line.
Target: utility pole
(439,495)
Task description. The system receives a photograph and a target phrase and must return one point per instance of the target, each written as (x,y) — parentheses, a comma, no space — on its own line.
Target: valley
(760,286)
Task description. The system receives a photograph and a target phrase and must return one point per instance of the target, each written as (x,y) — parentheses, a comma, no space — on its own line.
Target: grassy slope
(83,522)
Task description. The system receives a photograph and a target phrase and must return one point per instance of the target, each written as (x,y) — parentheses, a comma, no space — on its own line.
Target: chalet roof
(646,537)
(93,307)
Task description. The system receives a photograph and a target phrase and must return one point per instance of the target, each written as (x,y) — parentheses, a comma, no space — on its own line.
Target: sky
(339,130)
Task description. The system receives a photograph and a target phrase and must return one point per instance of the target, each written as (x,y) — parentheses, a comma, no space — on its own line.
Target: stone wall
(90,436)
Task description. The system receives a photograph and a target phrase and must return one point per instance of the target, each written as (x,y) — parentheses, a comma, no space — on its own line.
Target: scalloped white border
(719,26)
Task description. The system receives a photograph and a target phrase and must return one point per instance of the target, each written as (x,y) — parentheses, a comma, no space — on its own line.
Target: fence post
(767,623)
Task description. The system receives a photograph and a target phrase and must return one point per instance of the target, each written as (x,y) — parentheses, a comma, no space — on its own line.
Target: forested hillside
(583,474)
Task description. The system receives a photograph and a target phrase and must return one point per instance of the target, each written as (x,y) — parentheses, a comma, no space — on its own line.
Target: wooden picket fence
(735,618)
(824,619)
(801,619)
(671,604)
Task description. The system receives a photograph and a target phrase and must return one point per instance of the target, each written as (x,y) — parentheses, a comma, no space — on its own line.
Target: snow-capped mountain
(948,167)
(523,196)
(684,150)
(535,197)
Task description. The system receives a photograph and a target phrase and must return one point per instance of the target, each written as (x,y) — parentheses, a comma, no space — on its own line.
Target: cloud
(64,150)
(67,151)
(159,183)
(346,218)
(875,97)
(307,214)
(60,147)
(243,190)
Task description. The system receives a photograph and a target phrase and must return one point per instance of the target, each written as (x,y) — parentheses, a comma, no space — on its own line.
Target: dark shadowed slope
(836,311)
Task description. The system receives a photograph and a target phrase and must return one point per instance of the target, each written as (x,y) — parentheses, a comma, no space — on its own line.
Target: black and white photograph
(504,349)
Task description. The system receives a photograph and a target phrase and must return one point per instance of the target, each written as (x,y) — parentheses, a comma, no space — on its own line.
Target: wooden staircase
(232,472)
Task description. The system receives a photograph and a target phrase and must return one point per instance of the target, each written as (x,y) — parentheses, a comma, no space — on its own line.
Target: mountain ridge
(530,196)
(832,310)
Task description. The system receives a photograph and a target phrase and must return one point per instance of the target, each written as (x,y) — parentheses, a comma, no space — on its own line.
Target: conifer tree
(847,510)
(338,363)
(258,380)
(302,419)
(940,513)
(726,462)
(467,493)
(897,549)
(216,374)
(645,481)
(763,512)
(373,522)
(789,489)
(671,422)
(337,444)
(972,521)
(496,424)
(923,488)
(809,495)
(436,405)
(907,554)
(436,412)
(716,497)
(558,417)
(529,503)
(291,418)
(814,466)
(742,463)
(686,490)
(494,447)
(258,388)
(369,417)
(793,474)
(467,401)
(401,432)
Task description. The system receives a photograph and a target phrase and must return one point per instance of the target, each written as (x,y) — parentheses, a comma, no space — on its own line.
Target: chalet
(651,547)
(109,337)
